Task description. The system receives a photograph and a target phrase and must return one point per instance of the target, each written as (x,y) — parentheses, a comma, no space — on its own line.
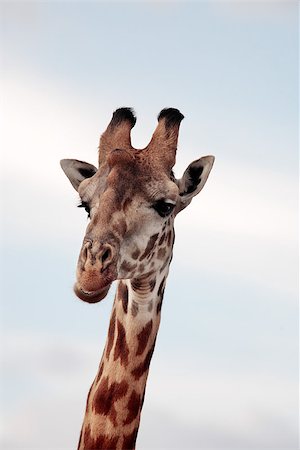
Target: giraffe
(131,200)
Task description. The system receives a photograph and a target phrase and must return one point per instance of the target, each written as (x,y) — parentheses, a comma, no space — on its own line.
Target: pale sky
(225,370)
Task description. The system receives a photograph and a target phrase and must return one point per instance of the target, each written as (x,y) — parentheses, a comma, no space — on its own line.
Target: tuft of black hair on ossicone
(123,114)
(172,116)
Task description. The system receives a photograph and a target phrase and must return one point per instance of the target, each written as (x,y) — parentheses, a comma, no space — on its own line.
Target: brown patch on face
(135,254)
(162,238)
(161,253)
(133,407)
(106,396)
(143,337)
(141,268)
(129,440)
(119,227)
(150,255)
(121,347)
(123,296)
(144,366)
(111,333)
(149,247)
(127,267)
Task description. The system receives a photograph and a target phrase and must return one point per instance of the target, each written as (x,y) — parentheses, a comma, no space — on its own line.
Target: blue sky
(225,370)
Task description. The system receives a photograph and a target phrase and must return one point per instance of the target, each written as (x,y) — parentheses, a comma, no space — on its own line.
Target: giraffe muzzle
(96,271)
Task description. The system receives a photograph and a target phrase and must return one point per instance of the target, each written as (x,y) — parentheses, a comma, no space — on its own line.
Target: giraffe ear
(193,180)
(77,171)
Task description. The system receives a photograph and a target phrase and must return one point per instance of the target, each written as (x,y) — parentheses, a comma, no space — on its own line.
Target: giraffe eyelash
(86,206)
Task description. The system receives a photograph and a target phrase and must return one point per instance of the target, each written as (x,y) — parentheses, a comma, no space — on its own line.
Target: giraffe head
(131,200)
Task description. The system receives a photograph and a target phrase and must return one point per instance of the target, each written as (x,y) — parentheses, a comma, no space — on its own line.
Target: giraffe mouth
(91,296)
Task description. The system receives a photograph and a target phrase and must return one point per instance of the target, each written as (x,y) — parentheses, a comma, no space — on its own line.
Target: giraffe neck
(116,396)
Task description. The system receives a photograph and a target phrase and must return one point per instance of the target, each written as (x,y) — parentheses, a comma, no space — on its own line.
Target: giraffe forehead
(125,180)
(143,178)
(147,186)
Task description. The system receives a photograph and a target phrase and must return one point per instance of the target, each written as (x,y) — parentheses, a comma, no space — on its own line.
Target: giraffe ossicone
(132,199)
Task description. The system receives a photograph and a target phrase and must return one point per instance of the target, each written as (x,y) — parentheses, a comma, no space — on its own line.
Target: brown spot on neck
(100,442)
(129,440)
(150,306)
(161,287)
(143,337)
(134,309)
(159,305)
(123,295)
(106,395)
(133,406)
(142,368)
(160,295)
(121,347)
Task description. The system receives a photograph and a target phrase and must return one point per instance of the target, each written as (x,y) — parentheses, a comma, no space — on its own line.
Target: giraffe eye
(86,206)
(163,207)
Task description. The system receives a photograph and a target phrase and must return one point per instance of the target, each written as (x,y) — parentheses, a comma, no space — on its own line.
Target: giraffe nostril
(95,256)
(85,251)
(105,255)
